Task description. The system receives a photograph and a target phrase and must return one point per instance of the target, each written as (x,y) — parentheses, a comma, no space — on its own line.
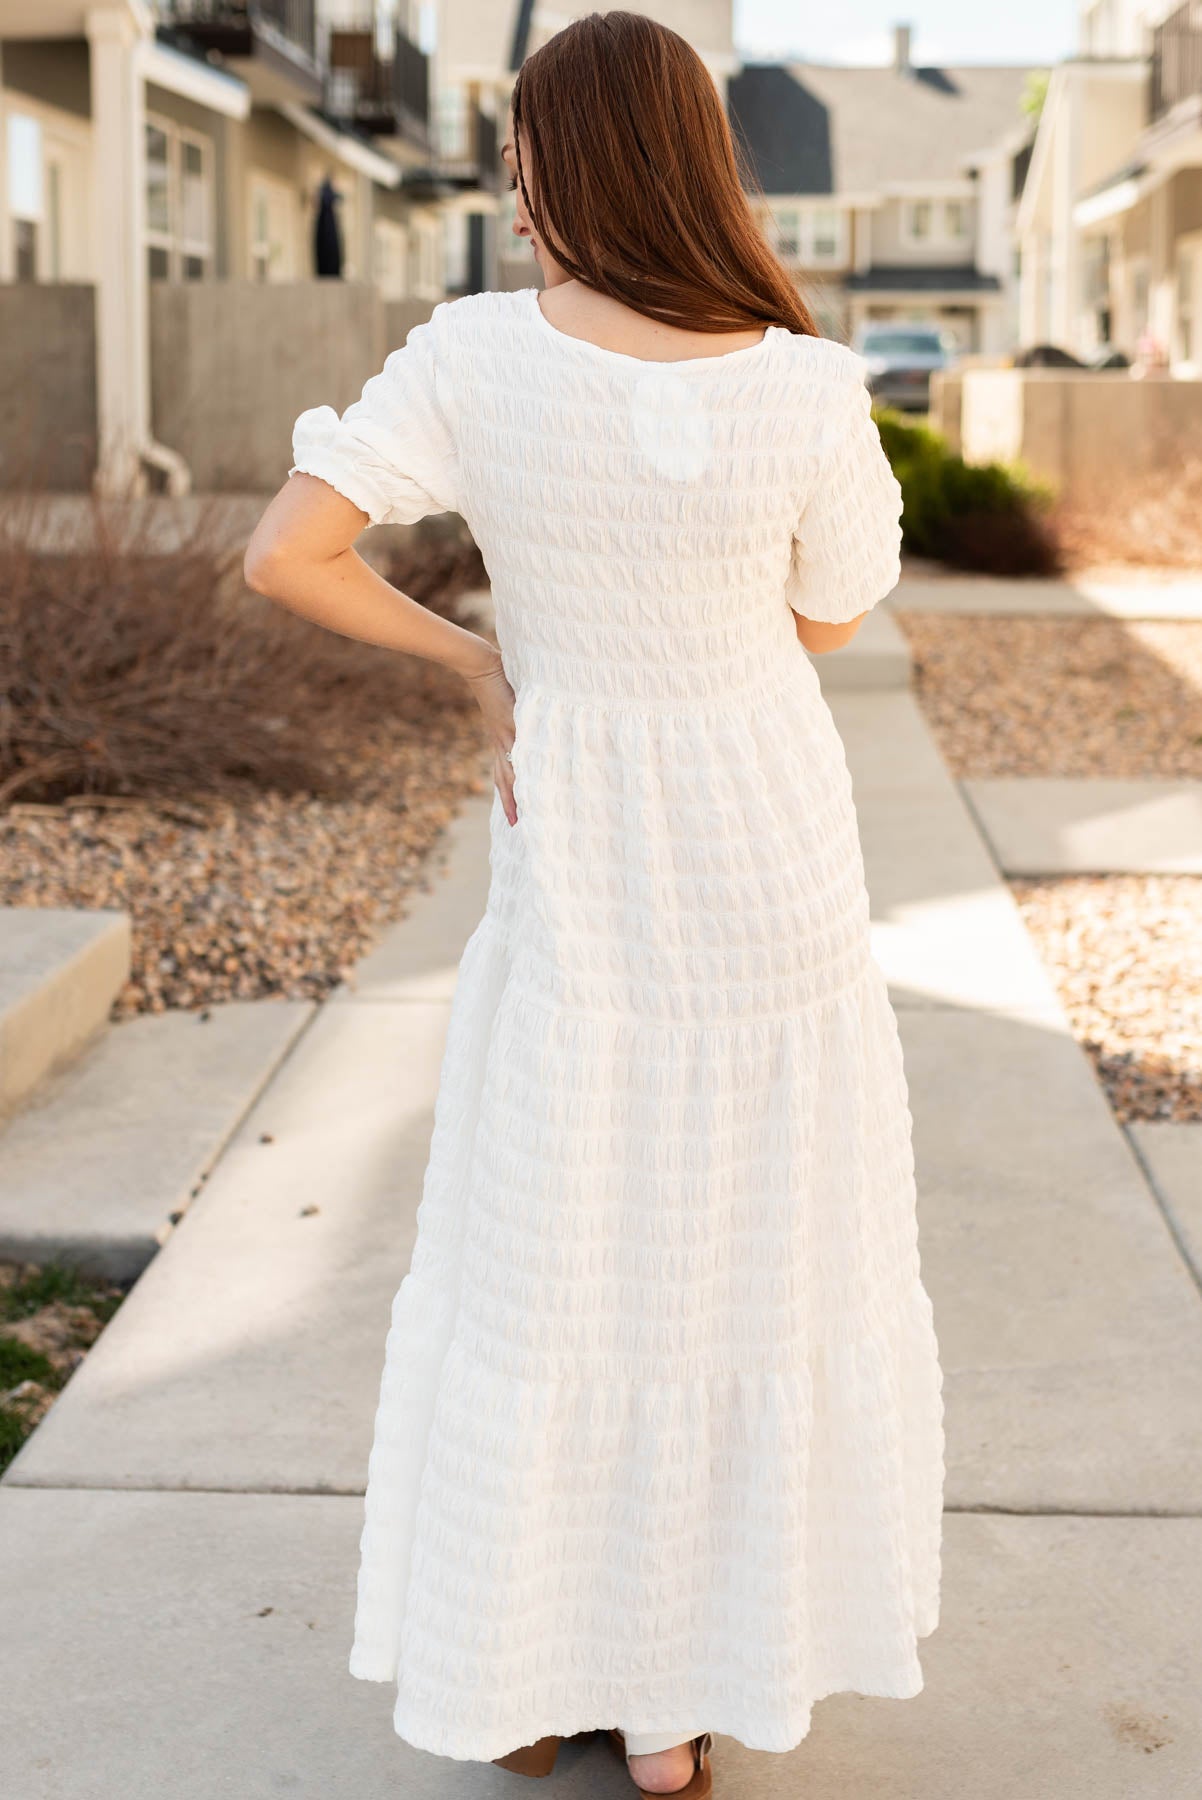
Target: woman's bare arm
(818,636)
(301,554)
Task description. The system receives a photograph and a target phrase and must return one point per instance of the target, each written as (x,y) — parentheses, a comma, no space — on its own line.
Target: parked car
(1051,356)
(900,360)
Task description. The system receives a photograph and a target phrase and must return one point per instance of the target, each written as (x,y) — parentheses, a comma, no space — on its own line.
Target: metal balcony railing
(1176,59)
(411,89)
(386,95)
(229,26)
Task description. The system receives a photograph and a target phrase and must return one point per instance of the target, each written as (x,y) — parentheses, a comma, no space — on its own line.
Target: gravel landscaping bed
(268,895)
(49,1319)
(1125,952)
(1060,696)
(1102,698)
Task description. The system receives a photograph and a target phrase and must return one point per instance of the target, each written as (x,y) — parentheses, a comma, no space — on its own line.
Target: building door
(273,252)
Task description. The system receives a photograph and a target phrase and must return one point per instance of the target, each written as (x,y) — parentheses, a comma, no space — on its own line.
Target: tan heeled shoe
(532,1759)
(700,1784)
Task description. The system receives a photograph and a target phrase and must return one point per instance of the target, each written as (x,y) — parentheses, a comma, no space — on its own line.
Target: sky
(944,31)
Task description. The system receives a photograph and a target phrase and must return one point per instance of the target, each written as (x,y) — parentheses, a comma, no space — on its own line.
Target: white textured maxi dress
(659,1440)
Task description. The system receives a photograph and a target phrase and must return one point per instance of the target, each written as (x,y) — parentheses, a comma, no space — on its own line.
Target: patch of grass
(19,1363)
(70,1310)
(13,1432)
(43,1285)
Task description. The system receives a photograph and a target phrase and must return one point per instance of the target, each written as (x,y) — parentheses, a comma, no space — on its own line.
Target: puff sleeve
(393,451)
(846,550)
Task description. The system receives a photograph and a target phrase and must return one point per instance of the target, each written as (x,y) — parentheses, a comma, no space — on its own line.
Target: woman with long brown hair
(659,1442)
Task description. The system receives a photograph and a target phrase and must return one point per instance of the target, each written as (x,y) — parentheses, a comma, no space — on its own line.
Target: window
(788,233)
(808,234)
(179,213)
(935,222)
(195,230)
(825,241)
(25,192)
(918,220)
(452,123)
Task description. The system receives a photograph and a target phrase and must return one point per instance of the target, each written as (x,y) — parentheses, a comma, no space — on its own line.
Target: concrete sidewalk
(179,1537)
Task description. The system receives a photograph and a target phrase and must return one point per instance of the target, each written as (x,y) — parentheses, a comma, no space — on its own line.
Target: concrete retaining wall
(233,363)
(47,386)
(947,396)
(1082,430)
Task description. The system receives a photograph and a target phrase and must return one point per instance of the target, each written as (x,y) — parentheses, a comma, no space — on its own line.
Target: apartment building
(153,142)
(1110,225)
(891,191)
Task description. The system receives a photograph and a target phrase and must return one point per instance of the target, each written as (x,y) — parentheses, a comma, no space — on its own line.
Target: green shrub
(989,517)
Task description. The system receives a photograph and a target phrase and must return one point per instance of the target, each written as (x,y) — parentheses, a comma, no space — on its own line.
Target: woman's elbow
(263,567)
(819,636)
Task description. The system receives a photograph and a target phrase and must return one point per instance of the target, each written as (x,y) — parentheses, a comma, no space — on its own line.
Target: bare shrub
(130,669)
(1145,521)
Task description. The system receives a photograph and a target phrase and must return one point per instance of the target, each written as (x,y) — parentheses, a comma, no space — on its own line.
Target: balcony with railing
(465,158)
(1176,60)
(386,96)
(271,44)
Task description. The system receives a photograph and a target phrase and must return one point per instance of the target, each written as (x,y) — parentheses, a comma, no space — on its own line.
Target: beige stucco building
(1110,224)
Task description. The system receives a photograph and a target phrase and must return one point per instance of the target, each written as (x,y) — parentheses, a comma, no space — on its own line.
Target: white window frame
(799,249)
(176,247)
(28,209)
(939,208)
(452,121)
(64,148)
(910,210)
(955,237)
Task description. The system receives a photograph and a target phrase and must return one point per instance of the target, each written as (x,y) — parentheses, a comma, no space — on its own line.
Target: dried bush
(1144,521)
(987,517)
(125,670)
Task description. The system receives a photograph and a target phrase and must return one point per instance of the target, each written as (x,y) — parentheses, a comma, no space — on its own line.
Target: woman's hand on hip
(496,699)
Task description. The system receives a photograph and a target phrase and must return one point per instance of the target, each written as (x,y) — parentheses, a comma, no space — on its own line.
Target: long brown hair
(640,190)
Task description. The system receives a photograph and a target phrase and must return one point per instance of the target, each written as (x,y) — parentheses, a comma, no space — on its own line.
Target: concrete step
(105,1158)
(1066,1666)
(1043,825)
(60,971)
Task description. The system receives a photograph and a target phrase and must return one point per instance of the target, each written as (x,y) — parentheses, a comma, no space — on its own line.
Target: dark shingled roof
(811,128)
(922,277)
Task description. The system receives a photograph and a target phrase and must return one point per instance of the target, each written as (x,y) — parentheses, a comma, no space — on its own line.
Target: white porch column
(1161,268)
(119,196)
(1063,324)
(863,238)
